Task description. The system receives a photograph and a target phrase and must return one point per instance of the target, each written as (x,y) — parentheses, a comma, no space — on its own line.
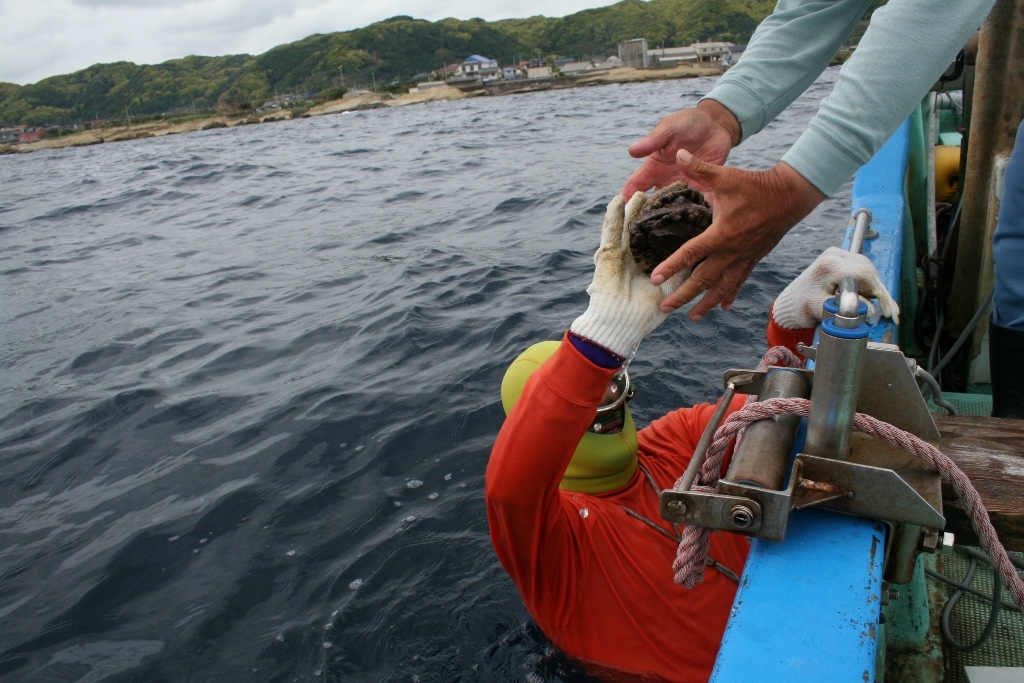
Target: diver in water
(572,487)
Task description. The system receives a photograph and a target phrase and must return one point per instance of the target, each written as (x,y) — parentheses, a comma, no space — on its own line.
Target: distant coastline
(352,103)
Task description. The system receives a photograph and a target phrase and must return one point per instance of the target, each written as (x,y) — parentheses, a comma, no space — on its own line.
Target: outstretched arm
(558,404)
(787,52)
(790,48)
(908,45)
(529,457)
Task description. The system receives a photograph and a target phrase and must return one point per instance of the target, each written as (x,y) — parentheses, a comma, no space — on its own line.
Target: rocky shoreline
(352,103)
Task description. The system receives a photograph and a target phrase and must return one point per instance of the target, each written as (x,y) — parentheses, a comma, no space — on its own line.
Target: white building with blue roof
(476,65)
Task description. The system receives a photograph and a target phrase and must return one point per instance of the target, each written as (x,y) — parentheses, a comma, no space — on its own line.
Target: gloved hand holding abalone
(673,215)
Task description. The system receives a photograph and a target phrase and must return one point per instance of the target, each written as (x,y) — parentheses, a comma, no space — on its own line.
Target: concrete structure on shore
(10,135)
(427,85)
(633,53)
(575,68)
(711,52)
(671,56)
(735,52)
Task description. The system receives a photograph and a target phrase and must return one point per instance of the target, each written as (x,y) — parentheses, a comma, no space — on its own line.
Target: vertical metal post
(929,155)
(841,347)
(904,547)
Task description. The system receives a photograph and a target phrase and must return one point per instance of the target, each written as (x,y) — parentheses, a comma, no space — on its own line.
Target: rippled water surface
(250,381)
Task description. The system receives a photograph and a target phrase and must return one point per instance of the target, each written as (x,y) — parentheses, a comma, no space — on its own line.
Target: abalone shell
(673,215)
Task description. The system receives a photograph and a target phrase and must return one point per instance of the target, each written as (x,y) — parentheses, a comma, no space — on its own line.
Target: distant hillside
(115,91)
(664,23)
(385,52)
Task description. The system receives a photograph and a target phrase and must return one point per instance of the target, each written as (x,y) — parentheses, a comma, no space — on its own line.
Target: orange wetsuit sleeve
(529,457)
(780,336)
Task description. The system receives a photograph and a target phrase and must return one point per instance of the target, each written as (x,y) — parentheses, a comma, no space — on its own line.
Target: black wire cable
(993,617)
(964,587)
(1006,604)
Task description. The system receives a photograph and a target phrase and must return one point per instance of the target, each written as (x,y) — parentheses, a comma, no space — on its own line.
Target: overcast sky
(40,38)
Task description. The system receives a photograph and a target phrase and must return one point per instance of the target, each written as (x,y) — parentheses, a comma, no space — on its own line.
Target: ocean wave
(254,381)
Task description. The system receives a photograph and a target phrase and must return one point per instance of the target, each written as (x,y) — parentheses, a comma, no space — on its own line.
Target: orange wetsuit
(597,580)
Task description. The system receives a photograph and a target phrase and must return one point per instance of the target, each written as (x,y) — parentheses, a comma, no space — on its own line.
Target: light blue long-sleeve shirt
(908,45)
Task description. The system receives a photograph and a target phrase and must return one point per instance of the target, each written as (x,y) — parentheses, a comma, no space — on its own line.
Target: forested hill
(385,52)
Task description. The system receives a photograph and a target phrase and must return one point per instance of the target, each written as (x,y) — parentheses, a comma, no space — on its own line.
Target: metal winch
(835,469)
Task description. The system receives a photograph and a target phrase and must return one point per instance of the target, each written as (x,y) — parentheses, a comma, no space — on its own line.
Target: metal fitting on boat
(862,219)
(838,361)
(762,455)
(847,304)
(741,516)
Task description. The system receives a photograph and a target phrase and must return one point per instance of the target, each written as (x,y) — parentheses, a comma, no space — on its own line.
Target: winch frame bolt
(741,516)
(677,507)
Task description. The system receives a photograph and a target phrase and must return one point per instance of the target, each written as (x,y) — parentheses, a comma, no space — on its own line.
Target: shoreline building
(477,66)
(712,51)
(633,53)
(672,56)
(697,53)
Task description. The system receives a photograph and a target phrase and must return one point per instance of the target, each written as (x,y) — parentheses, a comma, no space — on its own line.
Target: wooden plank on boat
(990,451)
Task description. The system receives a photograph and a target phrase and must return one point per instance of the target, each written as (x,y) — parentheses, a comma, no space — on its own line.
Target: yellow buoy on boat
(947,173)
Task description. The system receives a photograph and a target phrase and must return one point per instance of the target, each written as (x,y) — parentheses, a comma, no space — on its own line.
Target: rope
(691,566)
(688,566)
(779,356)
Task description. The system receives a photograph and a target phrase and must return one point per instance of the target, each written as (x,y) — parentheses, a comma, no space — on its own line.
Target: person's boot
(1006,362)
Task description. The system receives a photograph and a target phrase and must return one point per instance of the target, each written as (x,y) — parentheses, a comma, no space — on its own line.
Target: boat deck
(1004,648)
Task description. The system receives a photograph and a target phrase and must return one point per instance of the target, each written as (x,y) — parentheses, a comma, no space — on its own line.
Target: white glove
(624,306)
(799,305)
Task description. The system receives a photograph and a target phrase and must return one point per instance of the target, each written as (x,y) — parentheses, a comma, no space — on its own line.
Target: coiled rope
(690,561)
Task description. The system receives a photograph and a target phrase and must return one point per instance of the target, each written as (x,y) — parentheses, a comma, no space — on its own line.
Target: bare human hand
(753,210)
(708,131)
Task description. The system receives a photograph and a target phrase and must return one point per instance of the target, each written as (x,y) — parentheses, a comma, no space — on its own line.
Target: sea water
(250,381)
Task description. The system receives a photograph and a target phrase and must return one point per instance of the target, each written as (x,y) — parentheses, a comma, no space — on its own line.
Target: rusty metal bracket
(711,510)
(867,491)
(811,493)
(755,382)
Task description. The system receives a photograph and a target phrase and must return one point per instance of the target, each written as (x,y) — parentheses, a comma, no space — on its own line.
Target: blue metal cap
(831,307)
(830,327)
